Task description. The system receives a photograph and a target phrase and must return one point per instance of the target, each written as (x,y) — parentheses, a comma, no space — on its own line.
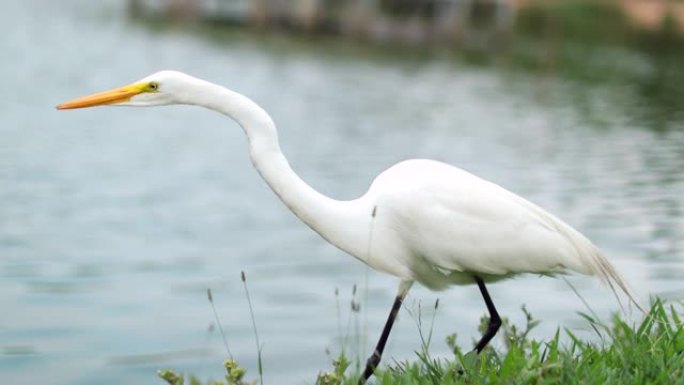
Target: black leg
(494,319)
(374,359)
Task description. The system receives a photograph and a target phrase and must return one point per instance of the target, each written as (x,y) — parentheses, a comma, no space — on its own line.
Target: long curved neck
(339,222)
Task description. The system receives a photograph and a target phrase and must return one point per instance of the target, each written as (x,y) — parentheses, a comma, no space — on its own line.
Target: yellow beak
(117,95)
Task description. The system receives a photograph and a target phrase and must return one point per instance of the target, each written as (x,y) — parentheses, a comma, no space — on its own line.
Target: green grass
(651,352)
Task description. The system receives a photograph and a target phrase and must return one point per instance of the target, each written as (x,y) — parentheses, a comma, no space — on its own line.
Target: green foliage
(337,376)
(584,20)
(234,376)
(171,377)
(234,372)
(651,352)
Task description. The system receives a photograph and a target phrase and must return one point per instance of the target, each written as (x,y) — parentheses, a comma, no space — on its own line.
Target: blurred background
(115,222)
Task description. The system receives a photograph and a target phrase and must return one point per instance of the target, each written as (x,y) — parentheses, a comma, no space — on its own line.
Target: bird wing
(457,221)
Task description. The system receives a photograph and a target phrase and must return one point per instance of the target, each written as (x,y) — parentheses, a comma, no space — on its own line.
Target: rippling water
(114,222)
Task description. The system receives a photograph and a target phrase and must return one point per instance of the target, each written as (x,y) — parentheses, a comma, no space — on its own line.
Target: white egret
(421,220)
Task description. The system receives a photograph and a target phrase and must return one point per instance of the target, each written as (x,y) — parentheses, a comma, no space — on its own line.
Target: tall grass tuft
(218,323)
(234,372)
(256,333)
(649,352)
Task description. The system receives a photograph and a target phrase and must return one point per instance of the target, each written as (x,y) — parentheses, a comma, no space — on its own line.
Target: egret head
(159,89)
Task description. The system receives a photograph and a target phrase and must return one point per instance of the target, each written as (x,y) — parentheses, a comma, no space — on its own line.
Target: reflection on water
(114,222)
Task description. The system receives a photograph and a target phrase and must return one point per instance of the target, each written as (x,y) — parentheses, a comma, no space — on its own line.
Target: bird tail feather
(607,273)
(592,261)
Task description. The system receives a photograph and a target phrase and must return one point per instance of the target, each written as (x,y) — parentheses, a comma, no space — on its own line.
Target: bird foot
(371,364)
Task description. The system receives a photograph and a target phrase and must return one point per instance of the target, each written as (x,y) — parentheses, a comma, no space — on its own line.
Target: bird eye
(153,86)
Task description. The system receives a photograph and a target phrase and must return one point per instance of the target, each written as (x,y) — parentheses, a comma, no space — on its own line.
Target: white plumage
(451,224)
